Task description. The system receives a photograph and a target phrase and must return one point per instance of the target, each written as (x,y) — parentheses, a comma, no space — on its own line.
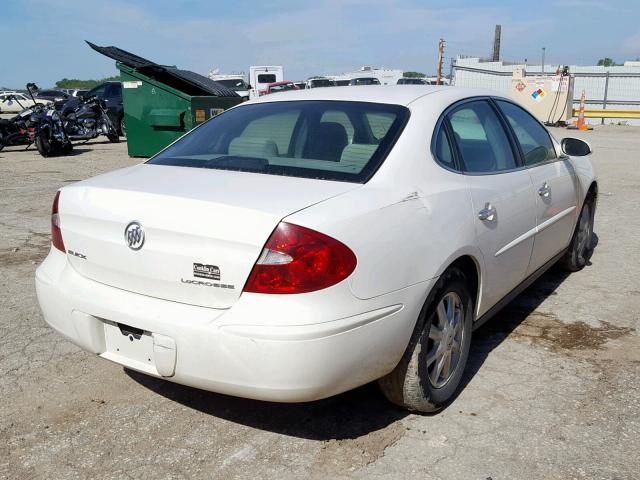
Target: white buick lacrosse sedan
(306,243)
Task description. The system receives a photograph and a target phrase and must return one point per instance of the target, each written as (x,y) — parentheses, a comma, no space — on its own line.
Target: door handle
(488,213)
(544,190)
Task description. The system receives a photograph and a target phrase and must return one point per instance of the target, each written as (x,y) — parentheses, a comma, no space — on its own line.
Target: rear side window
(99,91)
(114,90)
(533,138)
(482,142)
(328,140)
(443,150)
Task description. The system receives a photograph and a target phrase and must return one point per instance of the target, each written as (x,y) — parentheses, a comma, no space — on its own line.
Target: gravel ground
(552,389)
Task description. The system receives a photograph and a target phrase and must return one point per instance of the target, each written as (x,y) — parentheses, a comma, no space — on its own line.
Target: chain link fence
(603,90)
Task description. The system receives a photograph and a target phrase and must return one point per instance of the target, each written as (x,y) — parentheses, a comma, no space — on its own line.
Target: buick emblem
(134,236)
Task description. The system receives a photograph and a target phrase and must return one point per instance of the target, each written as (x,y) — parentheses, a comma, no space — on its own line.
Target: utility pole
(496,44)
(543,50)
(440,56)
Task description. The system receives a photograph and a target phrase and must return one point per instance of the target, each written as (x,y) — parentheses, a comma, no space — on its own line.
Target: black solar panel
(185,81)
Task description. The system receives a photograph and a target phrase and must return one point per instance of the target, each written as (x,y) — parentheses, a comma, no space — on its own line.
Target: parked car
(412,81)
(364,81)
(73,92)
(319,82)
(13,102)
(51,95)
(342,83)
(303,244)
(280,87)
(300,85)
(111,93)
(235,83)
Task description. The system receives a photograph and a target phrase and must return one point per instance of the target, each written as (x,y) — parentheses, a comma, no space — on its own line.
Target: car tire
(415,383)
(123,127)
(581,246)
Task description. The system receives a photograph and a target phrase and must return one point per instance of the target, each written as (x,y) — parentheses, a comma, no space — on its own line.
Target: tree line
(83,84)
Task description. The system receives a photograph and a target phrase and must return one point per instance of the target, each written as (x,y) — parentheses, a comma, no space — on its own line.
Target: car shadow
(346,416)
(360,411)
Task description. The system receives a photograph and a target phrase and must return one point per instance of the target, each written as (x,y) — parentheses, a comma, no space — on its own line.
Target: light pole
(543,50)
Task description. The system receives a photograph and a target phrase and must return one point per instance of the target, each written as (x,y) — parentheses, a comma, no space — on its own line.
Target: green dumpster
(162,103)
(156,114)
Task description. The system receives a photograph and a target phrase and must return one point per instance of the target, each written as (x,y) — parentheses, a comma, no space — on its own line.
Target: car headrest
(358,154)
(253,147)
(326,141)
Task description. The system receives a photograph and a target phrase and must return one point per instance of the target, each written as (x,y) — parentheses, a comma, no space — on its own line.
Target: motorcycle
(22,129)
(50,136)
(15,131)
(88,119)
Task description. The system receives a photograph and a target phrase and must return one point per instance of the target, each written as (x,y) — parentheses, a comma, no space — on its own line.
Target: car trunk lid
(203,229)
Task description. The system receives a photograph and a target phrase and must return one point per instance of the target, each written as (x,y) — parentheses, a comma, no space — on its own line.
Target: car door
(554,182)
(502,196)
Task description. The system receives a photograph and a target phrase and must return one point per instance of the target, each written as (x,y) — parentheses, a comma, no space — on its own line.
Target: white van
(260,77)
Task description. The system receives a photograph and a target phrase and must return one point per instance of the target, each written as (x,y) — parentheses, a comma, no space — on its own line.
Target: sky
(43,40)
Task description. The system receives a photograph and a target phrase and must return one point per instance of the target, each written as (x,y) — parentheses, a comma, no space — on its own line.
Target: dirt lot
(552,391)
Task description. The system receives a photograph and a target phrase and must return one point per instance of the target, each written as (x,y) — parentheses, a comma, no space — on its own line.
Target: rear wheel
(112,134)
(581,246)
(431,368)
(123,127)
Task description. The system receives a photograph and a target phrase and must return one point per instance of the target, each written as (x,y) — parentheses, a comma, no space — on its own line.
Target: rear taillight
(298,260)
(56,233)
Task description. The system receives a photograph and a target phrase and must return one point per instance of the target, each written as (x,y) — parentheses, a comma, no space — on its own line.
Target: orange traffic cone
(581,125)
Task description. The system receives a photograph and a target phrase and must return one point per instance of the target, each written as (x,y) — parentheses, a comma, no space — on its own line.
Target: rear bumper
(264,347)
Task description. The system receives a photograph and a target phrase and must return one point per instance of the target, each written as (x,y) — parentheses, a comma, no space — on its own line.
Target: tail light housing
(296,259)
(56,233)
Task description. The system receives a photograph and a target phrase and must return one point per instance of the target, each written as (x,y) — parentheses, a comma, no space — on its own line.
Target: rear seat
(253,147)
(356,155)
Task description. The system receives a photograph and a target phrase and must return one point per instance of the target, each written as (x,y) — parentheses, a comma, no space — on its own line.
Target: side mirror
(574,147)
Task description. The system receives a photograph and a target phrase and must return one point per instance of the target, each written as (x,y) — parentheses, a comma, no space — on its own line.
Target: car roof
(392,94)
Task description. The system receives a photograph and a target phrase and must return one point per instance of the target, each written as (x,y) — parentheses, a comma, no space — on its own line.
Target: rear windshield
(266,78)
(327,140)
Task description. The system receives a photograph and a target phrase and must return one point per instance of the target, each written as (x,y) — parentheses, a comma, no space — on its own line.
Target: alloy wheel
(584,232)
(446,335)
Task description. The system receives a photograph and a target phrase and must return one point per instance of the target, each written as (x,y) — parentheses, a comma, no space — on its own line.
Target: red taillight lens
(298,260)
(56,233)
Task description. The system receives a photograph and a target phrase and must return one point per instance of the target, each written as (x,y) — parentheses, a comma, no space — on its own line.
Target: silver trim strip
(533,231)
